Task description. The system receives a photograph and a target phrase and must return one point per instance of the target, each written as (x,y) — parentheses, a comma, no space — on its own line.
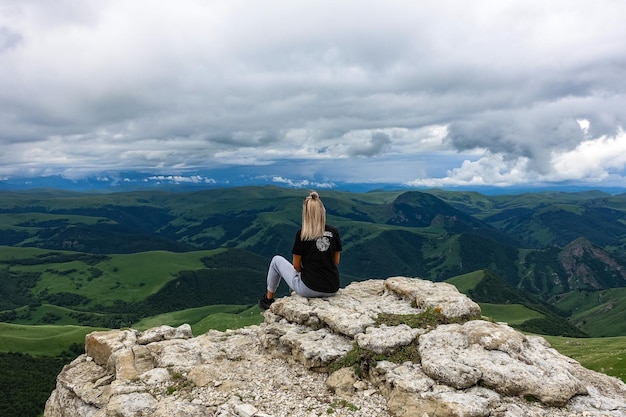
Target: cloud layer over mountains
(426,93)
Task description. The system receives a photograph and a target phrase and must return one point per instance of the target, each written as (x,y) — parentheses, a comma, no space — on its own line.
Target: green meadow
(601,354)
(125,277)
(41,340)
(203,319)
(509,313)
(598,313)
(53,340)
(467,282)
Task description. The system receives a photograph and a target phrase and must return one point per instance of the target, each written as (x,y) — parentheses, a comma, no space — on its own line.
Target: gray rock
(386,339)
(132,405)
(342,382)
(160,333)
(498,357)
(427,294)
(100,345)
(279,368)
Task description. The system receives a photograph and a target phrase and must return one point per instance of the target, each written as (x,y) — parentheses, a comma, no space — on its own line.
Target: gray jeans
(282,268)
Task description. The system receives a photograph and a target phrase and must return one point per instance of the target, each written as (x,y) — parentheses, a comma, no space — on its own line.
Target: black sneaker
(265,302)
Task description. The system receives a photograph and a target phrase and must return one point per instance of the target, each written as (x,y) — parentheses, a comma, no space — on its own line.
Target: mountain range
(549,263)
(547,245)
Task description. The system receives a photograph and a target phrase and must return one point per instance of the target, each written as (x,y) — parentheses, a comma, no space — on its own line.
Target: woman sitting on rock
(316,251)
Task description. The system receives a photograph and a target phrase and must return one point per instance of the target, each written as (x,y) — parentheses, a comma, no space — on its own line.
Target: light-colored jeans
(282,268)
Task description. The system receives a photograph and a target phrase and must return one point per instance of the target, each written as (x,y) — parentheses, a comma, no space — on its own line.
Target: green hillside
(597,313)
(546,263)
(203,319)
(467,282)
(513,314)
(42,340)
(501,302)
(492,229)
(112,259)
(605,354)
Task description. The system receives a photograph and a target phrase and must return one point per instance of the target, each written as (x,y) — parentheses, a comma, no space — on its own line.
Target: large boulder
(463,367)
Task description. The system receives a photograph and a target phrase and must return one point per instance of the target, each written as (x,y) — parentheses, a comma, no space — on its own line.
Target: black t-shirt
(319,271)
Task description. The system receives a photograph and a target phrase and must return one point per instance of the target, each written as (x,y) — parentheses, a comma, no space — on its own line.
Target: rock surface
(469,368)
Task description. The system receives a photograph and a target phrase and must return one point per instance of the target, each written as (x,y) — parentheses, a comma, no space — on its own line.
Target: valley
(70,263)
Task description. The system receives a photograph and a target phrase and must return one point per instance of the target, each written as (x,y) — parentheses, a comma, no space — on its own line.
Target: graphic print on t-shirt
(323,242)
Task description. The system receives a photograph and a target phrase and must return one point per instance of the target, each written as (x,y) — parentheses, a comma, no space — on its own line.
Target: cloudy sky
(426,93)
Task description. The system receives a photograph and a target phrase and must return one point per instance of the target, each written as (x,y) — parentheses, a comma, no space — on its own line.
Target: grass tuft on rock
(362,360)
(428,319)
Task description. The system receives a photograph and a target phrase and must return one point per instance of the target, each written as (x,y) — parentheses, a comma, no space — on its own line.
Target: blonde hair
(313,217)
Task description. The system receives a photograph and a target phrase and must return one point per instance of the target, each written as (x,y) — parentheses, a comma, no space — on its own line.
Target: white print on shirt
(323,243)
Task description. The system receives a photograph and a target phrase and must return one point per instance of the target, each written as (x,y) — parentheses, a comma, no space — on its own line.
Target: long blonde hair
(313,217)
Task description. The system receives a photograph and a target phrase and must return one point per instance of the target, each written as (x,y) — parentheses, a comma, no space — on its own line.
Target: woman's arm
(337,254)
(297,262)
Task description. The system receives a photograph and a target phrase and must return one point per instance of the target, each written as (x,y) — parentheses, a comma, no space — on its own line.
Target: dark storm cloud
(370,147)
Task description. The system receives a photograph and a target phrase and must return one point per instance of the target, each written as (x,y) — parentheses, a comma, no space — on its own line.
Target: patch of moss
(530,398)
(343,404)
(408,353)
(428,319)
(362,360)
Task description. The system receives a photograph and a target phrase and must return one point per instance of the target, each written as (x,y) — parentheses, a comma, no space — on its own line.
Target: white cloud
(302,183)
(593,159)
(181,179)
(490,169)
(488,92)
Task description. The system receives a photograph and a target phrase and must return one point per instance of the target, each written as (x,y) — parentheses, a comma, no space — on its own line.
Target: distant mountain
(232,177)
(242,176)
(546,244)
(486,287)
(589,267)
(386,232)
(419,209)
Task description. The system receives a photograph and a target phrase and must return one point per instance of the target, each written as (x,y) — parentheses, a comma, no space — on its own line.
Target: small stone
(342,382)
(245,410)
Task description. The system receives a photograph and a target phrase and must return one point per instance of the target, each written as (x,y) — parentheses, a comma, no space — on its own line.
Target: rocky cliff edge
(395,347)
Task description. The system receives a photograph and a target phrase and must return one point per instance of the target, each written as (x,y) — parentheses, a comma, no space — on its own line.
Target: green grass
(15,219)
(11,252)
(223,321)
(467,282)
(203,319)
(603,354)
(47,340)
(597,313)
(509,313)
(52,340)
(126,277)
(37,315)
